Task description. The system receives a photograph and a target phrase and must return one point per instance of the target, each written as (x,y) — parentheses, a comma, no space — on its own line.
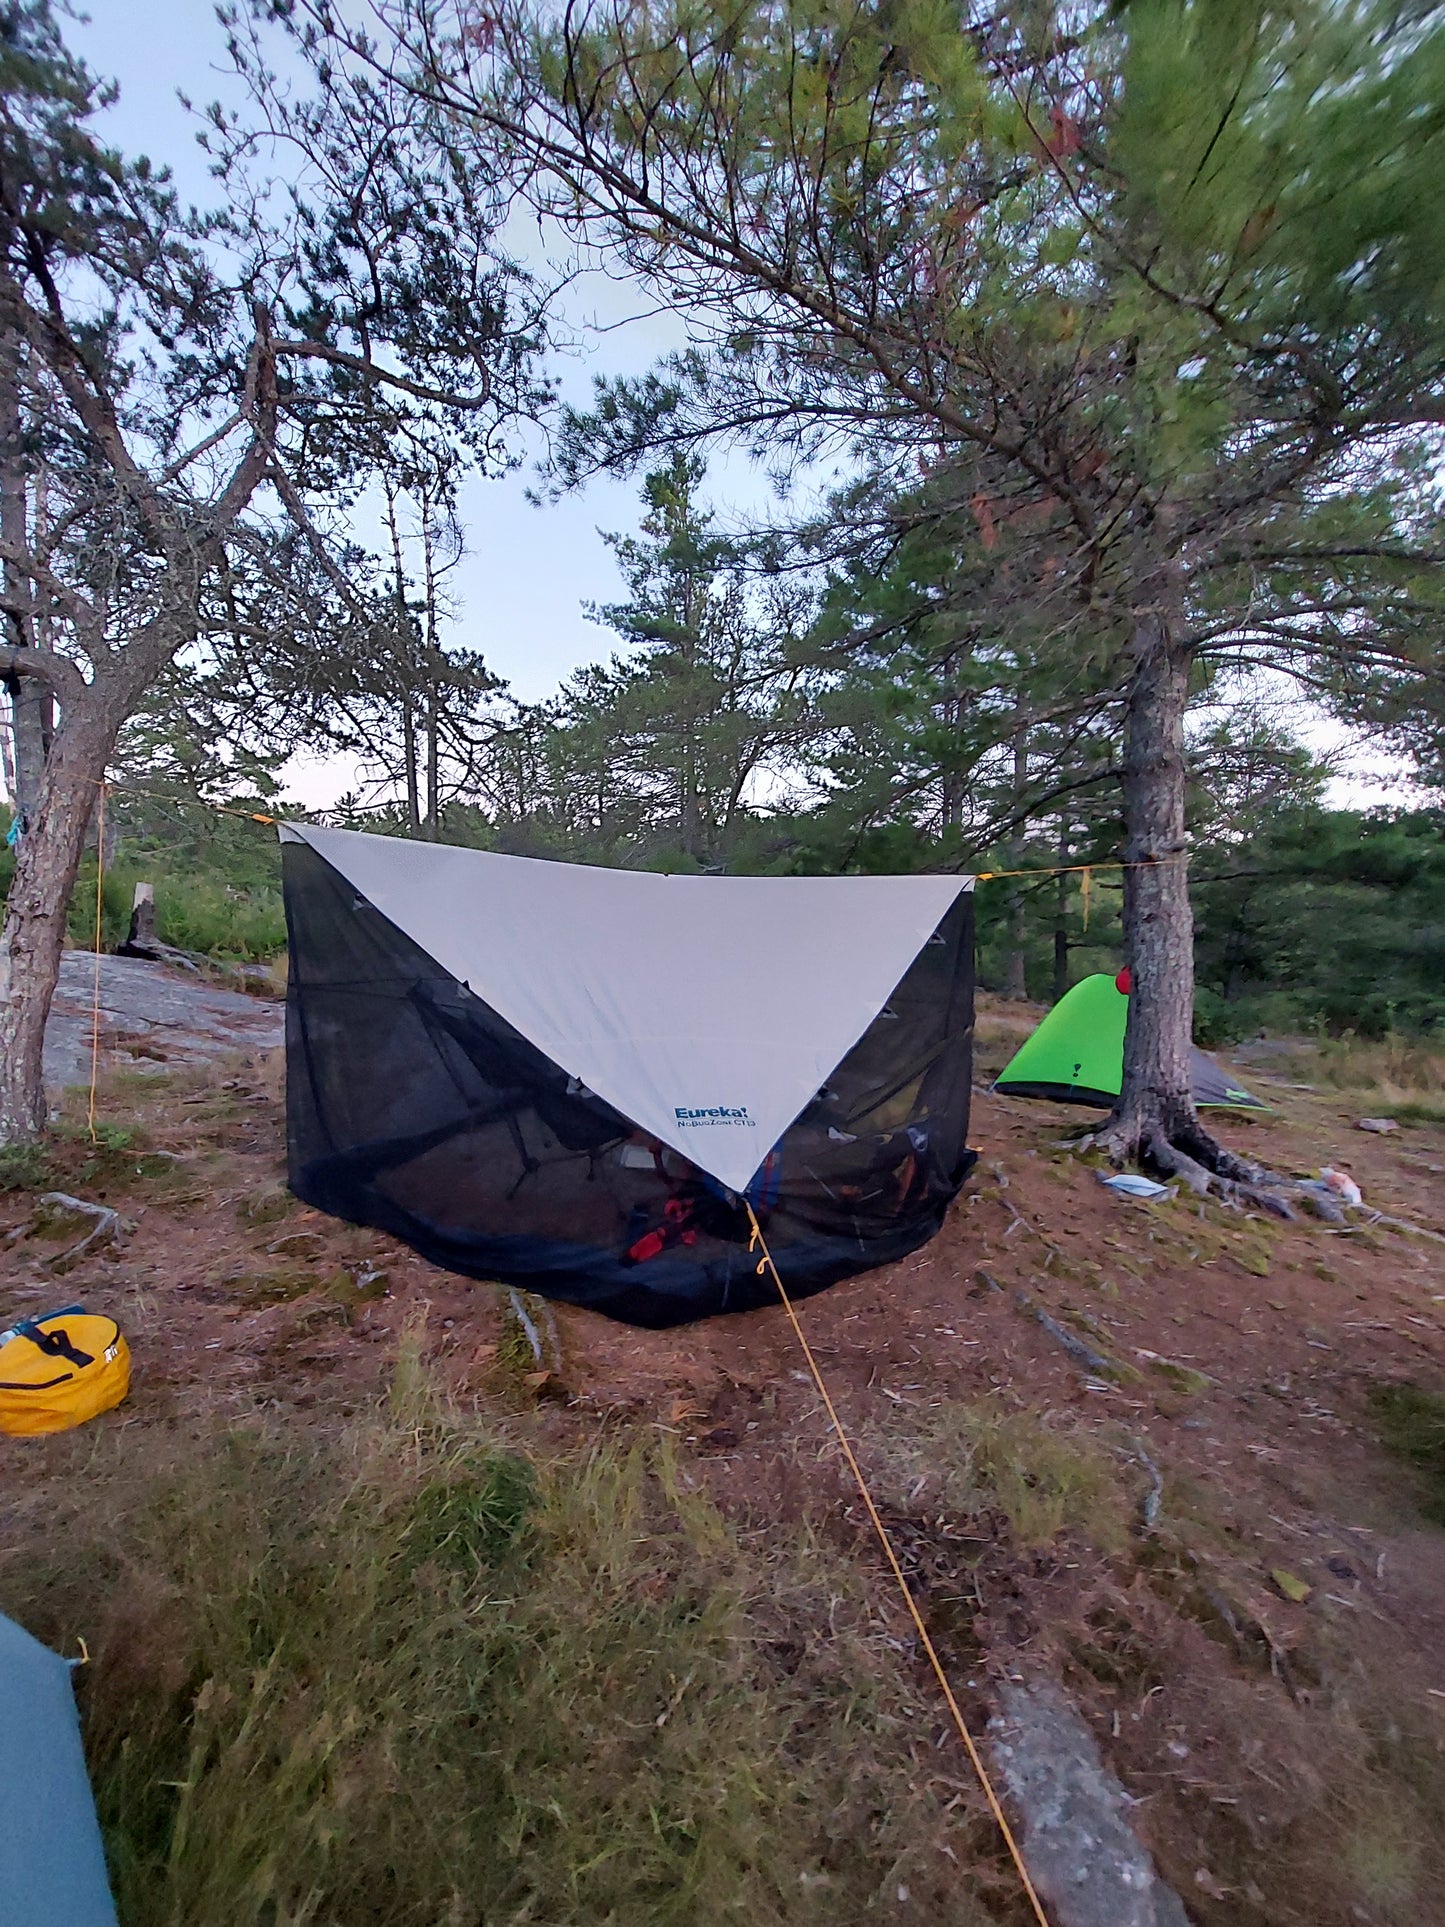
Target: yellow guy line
(95,977)
(1069,869)
(979,876)
(758,1241)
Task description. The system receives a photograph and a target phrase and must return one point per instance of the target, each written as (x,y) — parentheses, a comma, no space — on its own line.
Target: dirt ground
(1287,1753)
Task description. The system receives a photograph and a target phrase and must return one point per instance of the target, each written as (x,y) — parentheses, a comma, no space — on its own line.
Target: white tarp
(708,1010)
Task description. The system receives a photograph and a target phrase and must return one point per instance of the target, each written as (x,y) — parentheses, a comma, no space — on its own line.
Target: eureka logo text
(713,1114)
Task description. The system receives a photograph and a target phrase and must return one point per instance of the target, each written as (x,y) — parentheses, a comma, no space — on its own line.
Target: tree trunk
(1015,967)
(33,934)
(1155,1120)
(32,709)
(140,939)
(408,750)
(32,722)
(406,667)
(433,659)
(1015,979)
(690,814)
(952,793)
(1158,926)
(433,761)
(7,756)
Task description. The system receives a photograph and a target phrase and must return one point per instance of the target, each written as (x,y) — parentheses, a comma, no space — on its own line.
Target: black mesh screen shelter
(416,1106)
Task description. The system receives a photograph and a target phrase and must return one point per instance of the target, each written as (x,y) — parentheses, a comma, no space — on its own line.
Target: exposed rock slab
(164,1015)
(1089,1866)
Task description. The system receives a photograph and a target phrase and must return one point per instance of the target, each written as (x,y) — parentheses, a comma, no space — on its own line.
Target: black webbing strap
(54,1344)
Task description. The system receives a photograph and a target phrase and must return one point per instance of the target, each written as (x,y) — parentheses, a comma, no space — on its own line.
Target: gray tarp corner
(52,1863)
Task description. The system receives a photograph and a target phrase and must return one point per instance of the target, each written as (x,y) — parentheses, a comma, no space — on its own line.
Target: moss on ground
(1410,1421)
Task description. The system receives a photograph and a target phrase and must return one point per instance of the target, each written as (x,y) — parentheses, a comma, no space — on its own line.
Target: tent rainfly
(52,1863)
(576,1080)
(1077,1053)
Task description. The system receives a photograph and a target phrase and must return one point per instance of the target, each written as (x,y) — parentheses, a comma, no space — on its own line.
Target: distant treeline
(1330,920)
(1324,920)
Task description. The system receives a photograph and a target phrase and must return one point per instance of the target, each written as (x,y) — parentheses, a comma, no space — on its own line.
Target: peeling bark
(32,707)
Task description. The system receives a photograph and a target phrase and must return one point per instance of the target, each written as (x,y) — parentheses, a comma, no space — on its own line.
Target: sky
(522,587)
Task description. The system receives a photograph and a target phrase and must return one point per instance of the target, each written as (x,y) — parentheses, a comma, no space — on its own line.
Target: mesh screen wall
(414,1107)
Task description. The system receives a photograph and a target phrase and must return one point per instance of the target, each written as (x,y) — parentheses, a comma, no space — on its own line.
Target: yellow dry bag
(60,1370)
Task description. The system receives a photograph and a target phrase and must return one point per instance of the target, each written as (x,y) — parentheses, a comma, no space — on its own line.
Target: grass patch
(1410,1422)
(266,1206)
(1416,1113)
(25,1167)
(1403,1070)
(196,910)
(69,1159)
(1044,1477)
(999,1028)
(1382,1856)
(401,1671)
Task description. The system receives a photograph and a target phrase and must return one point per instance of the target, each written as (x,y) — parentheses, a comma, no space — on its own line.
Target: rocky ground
(1138,1452)
(148,1013)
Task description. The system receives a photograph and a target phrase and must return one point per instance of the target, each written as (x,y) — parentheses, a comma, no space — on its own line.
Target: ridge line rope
(979,876)
(758,1241)
(1069,869)
(199,803)
(305,816)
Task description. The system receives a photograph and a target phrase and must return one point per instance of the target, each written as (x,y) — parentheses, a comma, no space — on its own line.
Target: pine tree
(1158,276)
(678,740)
(189,373)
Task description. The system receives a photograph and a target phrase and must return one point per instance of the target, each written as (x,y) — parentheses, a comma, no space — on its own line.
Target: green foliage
(217,877)
(1329,920)
(1151,306)
(1044,1480)
(470,1519)
(24,1167)
(198,908)
(666,756)
(986,725)
(1412,1113)
(1308,920)
(1296,151)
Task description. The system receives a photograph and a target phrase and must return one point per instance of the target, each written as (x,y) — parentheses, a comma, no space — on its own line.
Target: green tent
(1077,1054)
